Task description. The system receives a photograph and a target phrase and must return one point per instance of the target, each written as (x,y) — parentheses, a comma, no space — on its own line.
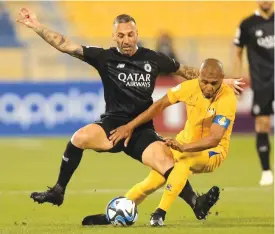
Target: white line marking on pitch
(122,191)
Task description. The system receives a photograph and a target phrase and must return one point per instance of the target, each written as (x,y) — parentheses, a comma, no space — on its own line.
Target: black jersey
(128,81)
(257,34)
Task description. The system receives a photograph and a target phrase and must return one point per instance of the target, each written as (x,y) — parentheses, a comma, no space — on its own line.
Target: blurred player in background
(256,33)
(203,144)
(165,45)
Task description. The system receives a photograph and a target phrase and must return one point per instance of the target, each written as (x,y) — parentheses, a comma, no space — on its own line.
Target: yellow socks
(141,190)
(175,183)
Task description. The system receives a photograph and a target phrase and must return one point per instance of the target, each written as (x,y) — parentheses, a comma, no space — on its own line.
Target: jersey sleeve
(241,37)
(166,64)
(226,111)
(92,55)
(178,93)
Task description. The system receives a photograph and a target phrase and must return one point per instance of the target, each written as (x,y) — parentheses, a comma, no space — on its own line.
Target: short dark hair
(124,18)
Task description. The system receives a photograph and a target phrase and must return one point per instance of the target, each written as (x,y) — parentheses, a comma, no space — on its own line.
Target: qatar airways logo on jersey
(266,42)
(135,79)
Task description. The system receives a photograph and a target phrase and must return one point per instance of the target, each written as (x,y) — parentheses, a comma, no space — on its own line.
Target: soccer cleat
(267,178)
(53,195)
(205,202)
(156,220)
(98,219)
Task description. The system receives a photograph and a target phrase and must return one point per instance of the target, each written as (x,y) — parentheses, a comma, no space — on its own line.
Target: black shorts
(142,136)
(263,102)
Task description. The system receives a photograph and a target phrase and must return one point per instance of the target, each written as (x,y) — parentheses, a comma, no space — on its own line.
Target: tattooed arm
(55,39)
(59,42)
(187,72)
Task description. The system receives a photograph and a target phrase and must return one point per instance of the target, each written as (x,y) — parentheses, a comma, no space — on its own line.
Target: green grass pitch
(31,164)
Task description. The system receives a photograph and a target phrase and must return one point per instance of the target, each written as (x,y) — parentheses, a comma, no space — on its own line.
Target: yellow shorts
(201,162)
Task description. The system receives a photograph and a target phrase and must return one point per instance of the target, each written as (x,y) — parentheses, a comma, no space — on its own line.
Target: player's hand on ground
(122,132)
(174,144)
(27,18)
(235,84)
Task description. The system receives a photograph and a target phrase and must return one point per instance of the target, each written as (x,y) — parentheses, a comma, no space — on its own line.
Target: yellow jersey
(202,112)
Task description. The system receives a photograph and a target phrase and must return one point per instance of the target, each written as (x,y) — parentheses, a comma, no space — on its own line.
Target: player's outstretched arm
(187,73)
(236,84)
(55,39)
(125,131)
(211,141)
(237,61)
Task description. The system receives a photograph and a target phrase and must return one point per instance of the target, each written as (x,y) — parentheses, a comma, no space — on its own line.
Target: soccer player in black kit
(128,75)
(256,33)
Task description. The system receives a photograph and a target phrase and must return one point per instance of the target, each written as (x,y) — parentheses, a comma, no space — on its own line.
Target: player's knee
(80,139)
(163,158)
(166,162)
(91,138)
(158,157)
(262,124)
(163,162)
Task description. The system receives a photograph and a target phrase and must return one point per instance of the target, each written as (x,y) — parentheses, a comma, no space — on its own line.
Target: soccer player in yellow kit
(203,144)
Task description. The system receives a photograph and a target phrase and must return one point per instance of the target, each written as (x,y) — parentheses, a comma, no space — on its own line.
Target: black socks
(188,195)
(263,148)
(70,161)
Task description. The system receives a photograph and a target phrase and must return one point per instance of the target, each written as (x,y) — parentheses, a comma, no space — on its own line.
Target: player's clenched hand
(122,132)
(235,84)
(27,18)
(174,144)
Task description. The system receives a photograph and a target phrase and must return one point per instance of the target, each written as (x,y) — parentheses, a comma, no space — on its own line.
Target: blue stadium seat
(8,36)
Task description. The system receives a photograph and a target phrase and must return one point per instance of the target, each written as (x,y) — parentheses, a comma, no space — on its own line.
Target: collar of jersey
(258,13)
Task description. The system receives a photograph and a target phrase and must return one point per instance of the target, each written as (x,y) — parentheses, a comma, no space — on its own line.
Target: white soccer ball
(121,212)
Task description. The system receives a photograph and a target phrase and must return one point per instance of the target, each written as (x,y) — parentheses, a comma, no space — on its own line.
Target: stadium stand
(10,48)
(194,30)
(8,36)
(38,60)
(181,18)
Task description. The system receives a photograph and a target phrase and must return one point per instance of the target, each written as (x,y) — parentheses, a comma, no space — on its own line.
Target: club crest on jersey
(211,111)
(147,67)
(259,33)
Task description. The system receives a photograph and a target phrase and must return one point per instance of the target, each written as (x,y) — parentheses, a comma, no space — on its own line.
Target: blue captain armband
(222,121)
